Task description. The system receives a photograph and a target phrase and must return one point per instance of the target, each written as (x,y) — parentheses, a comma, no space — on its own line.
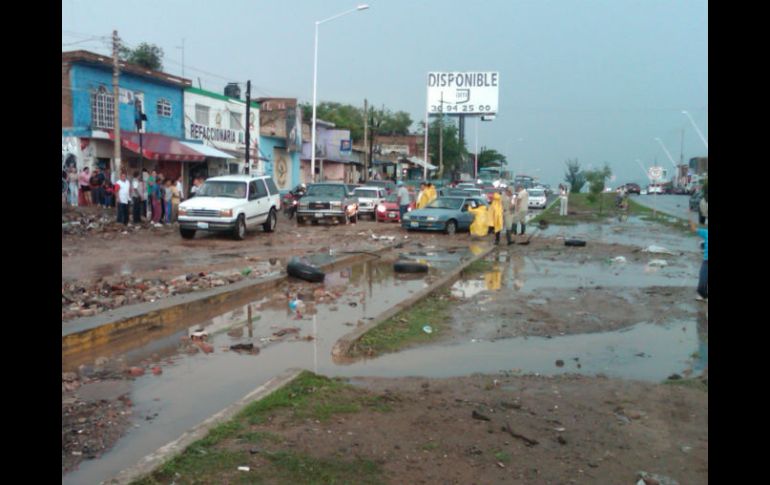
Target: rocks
(135,371)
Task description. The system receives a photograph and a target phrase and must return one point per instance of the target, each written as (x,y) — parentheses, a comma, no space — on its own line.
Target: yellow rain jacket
(480,226)
(423,199)
(496,213)
(431,194)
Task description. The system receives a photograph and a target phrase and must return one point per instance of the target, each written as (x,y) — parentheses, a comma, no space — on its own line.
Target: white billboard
(463,92)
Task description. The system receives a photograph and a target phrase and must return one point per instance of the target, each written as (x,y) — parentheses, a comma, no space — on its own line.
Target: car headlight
(430,218)
(226,213)
(335,204)
(182,212)
(380,208)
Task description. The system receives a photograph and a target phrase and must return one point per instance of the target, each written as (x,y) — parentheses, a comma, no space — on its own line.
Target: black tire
(301,221)
(239,232)
(314,222)
(305,272)
(272,220)
(409,267)
(574,242)
(187,233)
(451,227)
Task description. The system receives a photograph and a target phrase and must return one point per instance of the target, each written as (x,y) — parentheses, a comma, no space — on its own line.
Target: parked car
(537,199)
(387,211)
(643,192)
(695,201)
(654,189)
(388,185)
(633,189)
(232,203)
(369,198)
(328,200)
(447,214)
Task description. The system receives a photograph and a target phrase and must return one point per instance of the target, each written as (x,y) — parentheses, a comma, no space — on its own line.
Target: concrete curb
(343,344)
(150,462)
(124,328)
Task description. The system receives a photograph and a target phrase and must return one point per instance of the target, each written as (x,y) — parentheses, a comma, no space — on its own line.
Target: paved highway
(675,205)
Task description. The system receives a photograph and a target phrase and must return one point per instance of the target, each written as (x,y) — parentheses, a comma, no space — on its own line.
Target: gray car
(327,201)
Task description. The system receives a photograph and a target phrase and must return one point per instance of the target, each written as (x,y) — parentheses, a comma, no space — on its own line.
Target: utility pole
(248,125)
(681,154)
(441,138)
(366,140)
(116,163)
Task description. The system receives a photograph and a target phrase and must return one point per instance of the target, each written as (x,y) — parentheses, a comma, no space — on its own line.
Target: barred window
(164,108)
(202,114)
(102,108)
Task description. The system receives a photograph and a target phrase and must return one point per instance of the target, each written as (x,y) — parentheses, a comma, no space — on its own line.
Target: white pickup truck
(368,199)
(232,204)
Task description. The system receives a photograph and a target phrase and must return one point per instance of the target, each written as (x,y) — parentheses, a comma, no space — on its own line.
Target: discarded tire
(305,272)
(574,242)
(409,267)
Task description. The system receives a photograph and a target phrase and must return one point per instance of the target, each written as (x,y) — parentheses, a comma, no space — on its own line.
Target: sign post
(655,174)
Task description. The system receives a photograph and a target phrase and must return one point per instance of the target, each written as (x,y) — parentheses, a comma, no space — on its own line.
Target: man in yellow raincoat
(496,216)
(422,196)
(431,192)
(480,226)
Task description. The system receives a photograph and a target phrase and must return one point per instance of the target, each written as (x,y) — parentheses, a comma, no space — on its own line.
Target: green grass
(406,328)
(584,210)
(429,446)
(216,457)
(503,456)
(692,383)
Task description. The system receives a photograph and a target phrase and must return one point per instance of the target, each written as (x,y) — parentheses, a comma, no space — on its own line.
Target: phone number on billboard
(461,108)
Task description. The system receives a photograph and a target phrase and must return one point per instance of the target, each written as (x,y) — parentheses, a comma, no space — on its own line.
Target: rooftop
(88,57)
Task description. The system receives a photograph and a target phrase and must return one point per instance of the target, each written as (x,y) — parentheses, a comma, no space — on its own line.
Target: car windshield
(326,191)
(446,203)
(392,198)
(536,193)
(371,194)
(473,192)
(218,188)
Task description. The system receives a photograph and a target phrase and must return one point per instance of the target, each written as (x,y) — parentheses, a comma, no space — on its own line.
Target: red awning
(158,147)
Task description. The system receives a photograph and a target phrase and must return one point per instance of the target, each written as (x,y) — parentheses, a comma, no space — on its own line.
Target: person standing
(522,205)
(84,179)
(422,196)
(496,216)
(155,200)
(403,200)
(431,192)
(108,193)
(176,198)
(507,203)
(96,188)
(136,197)
(480,226)
(162,189)
(123,189)
(180,189)
(151,180)
(563,200)
(167,196)
(703,279)
(142,189)
(72,183)
(703,208)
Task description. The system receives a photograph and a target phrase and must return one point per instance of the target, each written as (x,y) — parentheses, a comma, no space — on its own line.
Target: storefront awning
(421,163)
(207,151)
(159,147)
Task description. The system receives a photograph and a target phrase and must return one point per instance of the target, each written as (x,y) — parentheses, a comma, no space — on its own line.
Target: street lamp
(703,139)
(315,81)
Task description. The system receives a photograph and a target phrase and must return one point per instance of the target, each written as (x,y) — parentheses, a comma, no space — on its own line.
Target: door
(466,217)
(258,206)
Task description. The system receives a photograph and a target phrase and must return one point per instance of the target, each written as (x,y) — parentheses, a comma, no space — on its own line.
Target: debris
(527,441)
(285,331)
(561,440)
(479,416)
(654,479)
(157,370)
(656,250)
(674,377)
(657,263)
(136,371)
(559,363)
(618,259)
(246,347)
(243,468)
(427,329)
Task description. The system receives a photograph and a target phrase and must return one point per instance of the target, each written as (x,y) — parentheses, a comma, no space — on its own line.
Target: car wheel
(314,222)
(239,232)
(269,225)
(187,233)
(451,227)
(300,221)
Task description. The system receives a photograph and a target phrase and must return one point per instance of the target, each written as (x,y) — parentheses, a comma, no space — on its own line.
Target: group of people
(506,212)
(149,194)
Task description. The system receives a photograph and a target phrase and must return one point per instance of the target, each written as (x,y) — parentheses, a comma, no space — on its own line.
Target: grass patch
(503,456)
(406,328)
(297,468)
(582,210)
(255,437)
(479,266)
(692,383)
(429,446)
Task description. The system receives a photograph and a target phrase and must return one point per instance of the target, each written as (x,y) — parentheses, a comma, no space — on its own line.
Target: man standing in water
(522,205)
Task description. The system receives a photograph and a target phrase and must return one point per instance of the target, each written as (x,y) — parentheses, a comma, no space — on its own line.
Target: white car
(537,199)
(231,203)
(368,199)
(654,189)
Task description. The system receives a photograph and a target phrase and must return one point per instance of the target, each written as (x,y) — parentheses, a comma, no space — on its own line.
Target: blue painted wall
(85,78)
(266,146)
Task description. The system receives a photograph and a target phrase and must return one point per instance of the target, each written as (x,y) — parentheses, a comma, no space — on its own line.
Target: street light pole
(703,139)
(315,83)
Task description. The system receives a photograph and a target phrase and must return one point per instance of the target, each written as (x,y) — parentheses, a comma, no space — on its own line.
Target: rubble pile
(78,222)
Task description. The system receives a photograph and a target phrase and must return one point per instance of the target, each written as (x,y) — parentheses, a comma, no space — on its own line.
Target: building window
(202,114)
(102,109)
(235,121)
(164,108)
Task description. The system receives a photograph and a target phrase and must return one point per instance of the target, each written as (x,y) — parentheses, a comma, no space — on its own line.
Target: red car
(388,210)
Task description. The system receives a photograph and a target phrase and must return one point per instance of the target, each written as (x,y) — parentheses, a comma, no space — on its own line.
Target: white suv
(369,198)
(231,203)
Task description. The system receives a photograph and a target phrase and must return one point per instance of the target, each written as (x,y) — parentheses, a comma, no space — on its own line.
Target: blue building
(280,140)
(88,116)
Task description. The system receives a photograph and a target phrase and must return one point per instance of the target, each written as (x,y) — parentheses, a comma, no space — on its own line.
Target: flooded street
(487,333)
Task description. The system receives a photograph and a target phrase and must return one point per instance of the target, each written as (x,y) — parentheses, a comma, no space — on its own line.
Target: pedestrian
(162,189)
(84,179)
(143,195)
(507,201)
(72,183)
(155,200)
(96,187)
(176,198)
(703,279)
(123,189)
(480,226)
(522,205)
(496,216)
(100,180)
(703,208)
(167,196)
(136,197)
(180,188)
(422,196)
(403,199)
(108,193)
(151,180)
(563,200)
(431,192)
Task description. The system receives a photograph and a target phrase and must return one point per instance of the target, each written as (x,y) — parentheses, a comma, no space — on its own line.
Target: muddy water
(194,386)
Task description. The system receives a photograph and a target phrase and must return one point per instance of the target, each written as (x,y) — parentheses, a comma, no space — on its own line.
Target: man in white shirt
(124,190)
(522,205)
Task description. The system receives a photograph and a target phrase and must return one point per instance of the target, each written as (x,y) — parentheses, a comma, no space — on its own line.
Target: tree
(145,55)
(574,177)
(454,153)
(596,180)
(349,117)
(489,157)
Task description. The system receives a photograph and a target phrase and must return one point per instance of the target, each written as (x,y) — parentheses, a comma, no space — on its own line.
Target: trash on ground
(243,468)
(285,331)
(427,329)
(656,250)
(660,263)
(477,415)
(655,479)
(618,259)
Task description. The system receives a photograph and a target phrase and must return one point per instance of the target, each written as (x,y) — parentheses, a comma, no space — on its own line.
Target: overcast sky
(596,80)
